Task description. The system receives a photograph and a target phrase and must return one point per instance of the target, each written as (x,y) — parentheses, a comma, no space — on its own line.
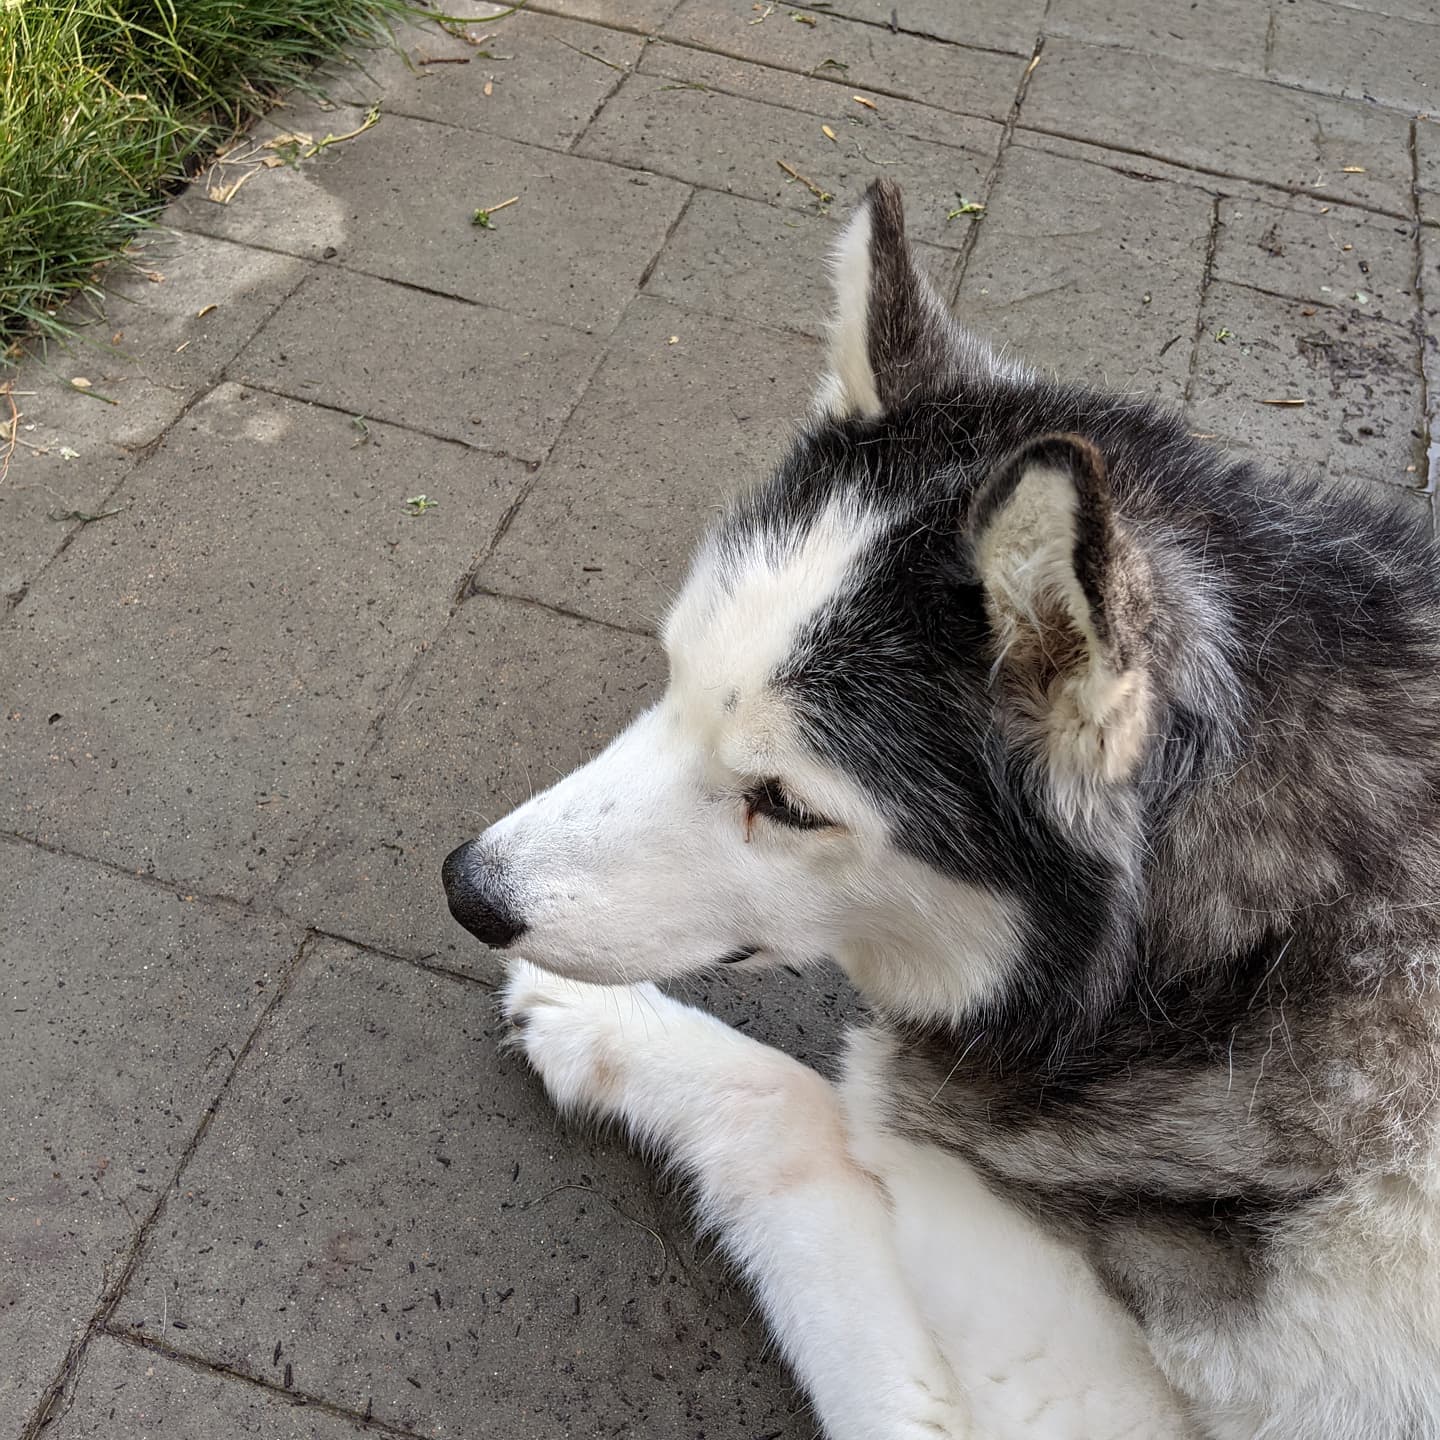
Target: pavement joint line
(674,225)
(531,462)
(482,591)
(897,29)
(297,1399)
(1188,177)
(422,962)
(1207,276)
(657,32)
(715,311)
(997,166)
(1330,305)
(1276,185)
(59,1391)
(839,83)
(626,71)
(315,263)
(1429,399)
(145,877)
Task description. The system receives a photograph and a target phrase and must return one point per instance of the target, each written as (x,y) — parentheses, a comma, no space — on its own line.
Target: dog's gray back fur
(1216,1062)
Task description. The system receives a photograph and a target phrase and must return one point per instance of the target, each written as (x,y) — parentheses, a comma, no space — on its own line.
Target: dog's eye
(768,798)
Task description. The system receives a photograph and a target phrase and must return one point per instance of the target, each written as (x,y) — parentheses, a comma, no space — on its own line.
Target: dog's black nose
(474,889)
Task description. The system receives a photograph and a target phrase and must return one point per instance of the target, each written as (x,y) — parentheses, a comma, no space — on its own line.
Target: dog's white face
(710,831)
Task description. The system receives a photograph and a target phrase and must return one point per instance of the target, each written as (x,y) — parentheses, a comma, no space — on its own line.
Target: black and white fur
(1106,767)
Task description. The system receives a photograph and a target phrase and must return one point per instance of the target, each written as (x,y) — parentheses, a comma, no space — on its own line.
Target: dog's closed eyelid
(769,797)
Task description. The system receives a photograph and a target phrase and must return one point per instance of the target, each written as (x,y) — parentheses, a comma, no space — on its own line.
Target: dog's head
(910,687)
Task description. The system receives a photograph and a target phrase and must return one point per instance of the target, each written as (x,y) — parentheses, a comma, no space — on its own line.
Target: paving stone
(39,489)
(1237,126)
(387,1197)
(544,75)
(643,15)
(145,344)
(751,261)
(991,24)
(972,82)
(1227,33)
(856,124)
(1089,273)
(1351,52)
(215,653)
(123,1007)
(1328,255)
(663,436)
(472,373)
(853,122)
(398,202)
(724,143)
(1427,169)
(510,697)
(128,1393)
(1358,377)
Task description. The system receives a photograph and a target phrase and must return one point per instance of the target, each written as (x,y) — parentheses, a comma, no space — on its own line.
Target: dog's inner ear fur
(1069,600)
(890,336)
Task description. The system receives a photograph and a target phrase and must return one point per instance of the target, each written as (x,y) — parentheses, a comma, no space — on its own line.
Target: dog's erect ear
(1069,595)
(891,337)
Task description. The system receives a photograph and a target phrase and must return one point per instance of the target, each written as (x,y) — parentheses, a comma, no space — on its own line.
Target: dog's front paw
(578,1037)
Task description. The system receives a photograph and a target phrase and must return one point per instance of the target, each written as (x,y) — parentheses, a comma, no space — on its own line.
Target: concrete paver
(1233,125)
(728,144)
(468,372)
(1230,34)
(124,1006)
(1357,53)
(243,619)
(543,83)
(359,200)
(644,16)
(129,1393)
(1358,378)
(972,82)
(263,680)
(392,1205)
(771,269)
(1328,255)
(854,122)
(988,24)
(666,433)
(1088,272)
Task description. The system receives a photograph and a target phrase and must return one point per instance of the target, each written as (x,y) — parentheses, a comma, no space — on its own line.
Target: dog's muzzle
(475,891)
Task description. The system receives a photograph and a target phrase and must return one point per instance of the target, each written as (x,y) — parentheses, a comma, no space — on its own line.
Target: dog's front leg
(764,1139)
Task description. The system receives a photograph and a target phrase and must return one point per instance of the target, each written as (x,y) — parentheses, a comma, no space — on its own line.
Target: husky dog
(1106,767)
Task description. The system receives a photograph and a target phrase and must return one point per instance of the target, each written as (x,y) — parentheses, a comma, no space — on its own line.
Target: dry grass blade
(822,195)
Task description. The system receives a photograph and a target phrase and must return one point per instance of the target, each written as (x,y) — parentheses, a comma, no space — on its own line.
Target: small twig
(821,195)
(443,60)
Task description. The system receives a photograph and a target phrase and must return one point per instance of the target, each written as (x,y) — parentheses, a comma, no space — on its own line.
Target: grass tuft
(107,104)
